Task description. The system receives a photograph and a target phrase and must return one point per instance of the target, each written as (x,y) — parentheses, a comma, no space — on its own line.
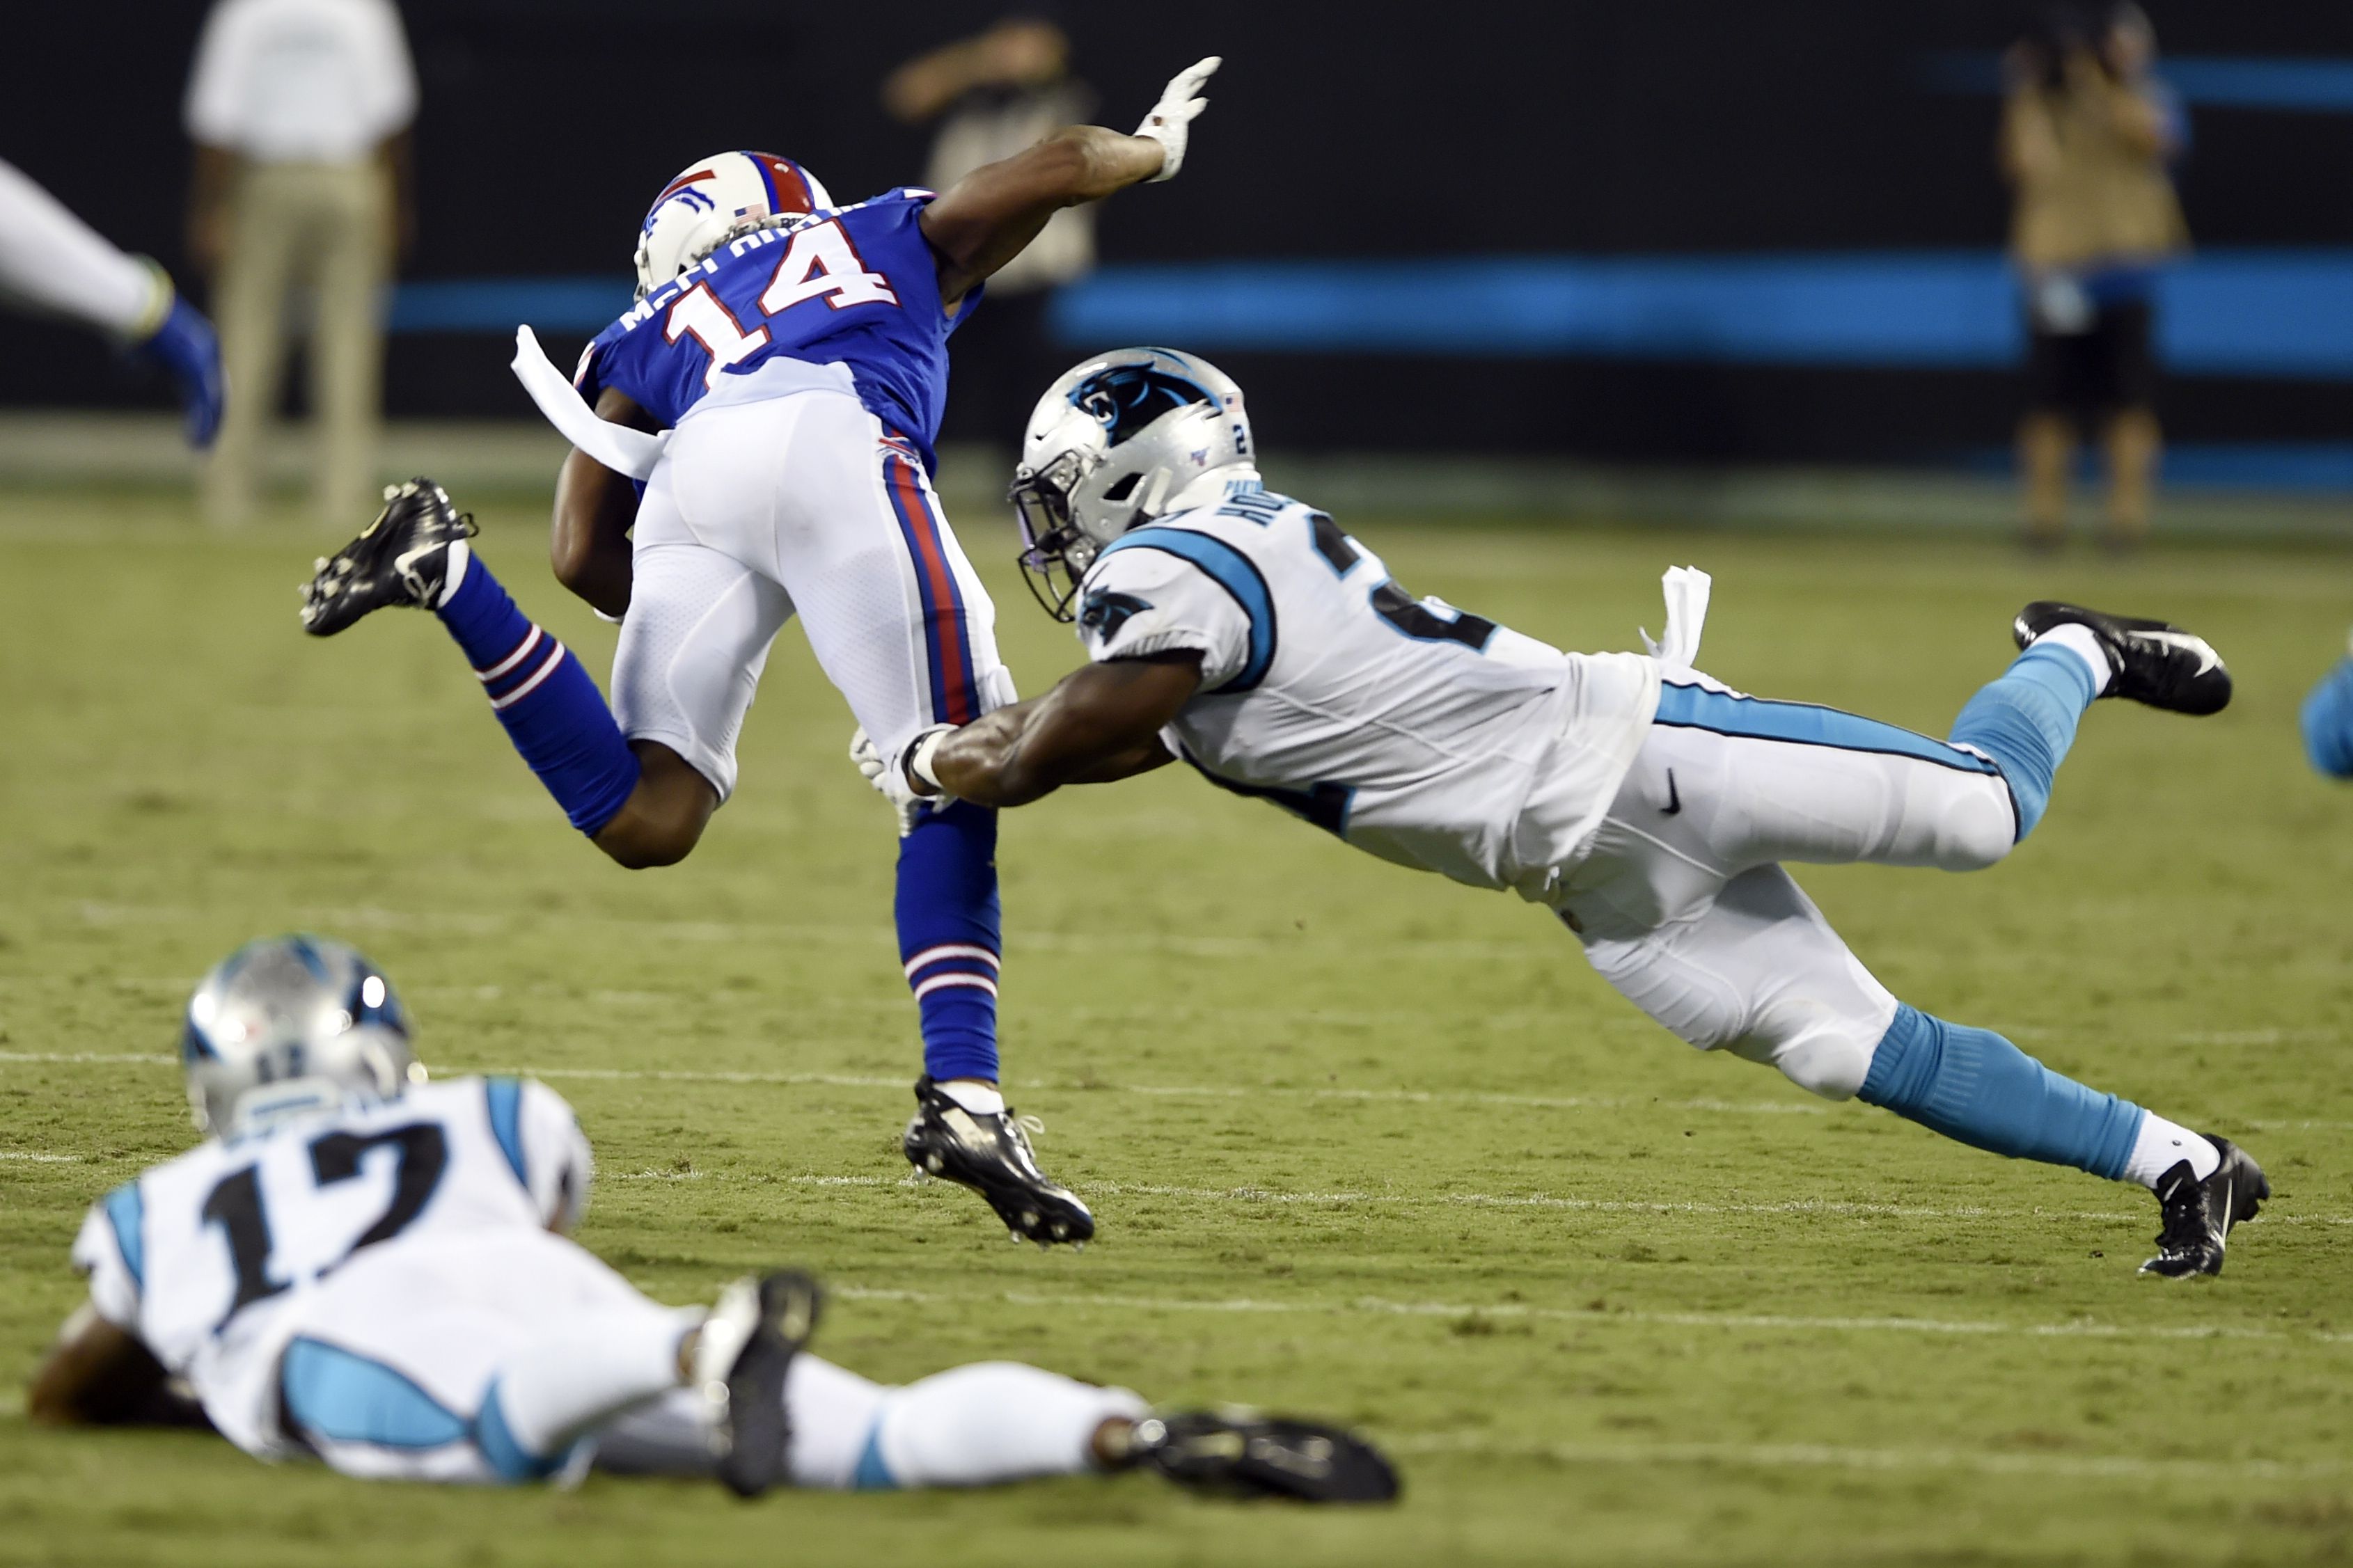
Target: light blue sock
(2025,720)
(2327,721)
(1975,1087)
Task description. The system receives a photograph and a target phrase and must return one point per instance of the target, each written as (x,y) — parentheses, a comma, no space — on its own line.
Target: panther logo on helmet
(712,200)
(1116,443)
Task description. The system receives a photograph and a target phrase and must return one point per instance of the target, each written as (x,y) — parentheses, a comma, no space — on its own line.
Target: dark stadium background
(1671,129)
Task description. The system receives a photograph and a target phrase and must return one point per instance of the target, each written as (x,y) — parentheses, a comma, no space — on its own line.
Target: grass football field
(1361,1143)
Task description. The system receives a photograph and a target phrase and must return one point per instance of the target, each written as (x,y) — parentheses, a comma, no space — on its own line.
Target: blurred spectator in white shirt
(300,111)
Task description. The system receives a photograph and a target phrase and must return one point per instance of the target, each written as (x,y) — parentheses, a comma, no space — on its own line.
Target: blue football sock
(948,939)
(2327,723)
(2025,721)
(547,701)
(1973,1085)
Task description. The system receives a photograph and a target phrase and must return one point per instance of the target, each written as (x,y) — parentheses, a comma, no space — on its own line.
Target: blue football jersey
(859,286)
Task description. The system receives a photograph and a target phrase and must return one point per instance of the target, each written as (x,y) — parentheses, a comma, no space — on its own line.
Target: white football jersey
(1419,732)
(202,1256)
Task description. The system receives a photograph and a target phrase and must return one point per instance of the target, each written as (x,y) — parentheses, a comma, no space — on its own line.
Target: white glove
(892,783)
(1171,119)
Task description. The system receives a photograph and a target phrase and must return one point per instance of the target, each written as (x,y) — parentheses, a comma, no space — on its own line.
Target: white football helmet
(1127,437)
(713,200)
(289,1025)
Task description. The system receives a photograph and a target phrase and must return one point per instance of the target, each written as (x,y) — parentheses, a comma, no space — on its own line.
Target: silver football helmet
(292,1024)
(1127,436)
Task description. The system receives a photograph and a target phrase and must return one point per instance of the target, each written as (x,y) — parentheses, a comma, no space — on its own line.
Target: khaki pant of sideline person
(328,225)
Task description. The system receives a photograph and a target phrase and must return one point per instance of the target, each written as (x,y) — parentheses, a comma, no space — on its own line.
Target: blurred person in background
(53,263)
(2086,136)
(300,110)
(994,95)
(2327,723)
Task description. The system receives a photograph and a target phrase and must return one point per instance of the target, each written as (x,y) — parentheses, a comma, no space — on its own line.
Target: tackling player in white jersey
(1649,806)
(53,262)
(371,1268)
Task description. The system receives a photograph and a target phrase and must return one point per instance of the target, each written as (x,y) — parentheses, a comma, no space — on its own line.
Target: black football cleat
(2156,663)
(402,558)
(746,1346)
(1248,1455)
(2199,1214)
(991,1153)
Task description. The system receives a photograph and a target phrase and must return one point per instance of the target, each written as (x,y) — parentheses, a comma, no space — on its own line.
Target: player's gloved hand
(892,783)
(1171,119)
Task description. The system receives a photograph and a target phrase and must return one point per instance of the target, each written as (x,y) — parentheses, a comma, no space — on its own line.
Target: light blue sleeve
(2327,721)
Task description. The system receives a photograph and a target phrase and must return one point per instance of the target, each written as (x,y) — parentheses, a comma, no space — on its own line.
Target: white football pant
(800,504)
(396,1359)
(1682,904)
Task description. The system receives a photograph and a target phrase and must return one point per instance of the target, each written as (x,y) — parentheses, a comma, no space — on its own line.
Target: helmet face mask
(291,1025)
(1112,445)
(1055,550)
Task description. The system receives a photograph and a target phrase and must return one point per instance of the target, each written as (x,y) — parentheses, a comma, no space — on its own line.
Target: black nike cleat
(402,558)
(2199,1214)
(745,1348)
(2156,663)
(991,1153)
(1246,1455)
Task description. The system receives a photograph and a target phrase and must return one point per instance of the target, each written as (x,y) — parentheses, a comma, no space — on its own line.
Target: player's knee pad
(1977,827)
(1830,1061)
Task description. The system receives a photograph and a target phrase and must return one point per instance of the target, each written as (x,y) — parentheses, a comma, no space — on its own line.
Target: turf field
(1361,1143)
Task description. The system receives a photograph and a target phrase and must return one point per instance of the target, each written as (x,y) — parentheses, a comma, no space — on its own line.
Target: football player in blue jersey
(794,353)
(52,260)
(1646,805)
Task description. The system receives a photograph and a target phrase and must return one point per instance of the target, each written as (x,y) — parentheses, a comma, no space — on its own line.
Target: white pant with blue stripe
(1682,904)
(394,1365)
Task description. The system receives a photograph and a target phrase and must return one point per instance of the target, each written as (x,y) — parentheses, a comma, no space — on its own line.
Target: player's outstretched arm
(990,216)
(588,543)
(99,1374)
(1099,724)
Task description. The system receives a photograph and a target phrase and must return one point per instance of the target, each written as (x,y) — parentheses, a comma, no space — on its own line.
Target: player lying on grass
(366,1268)
(53,262)
(1649,806)
(798,351)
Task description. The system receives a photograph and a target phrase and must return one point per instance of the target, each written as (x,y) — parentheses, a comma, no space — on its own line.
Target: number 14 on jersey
(819,263)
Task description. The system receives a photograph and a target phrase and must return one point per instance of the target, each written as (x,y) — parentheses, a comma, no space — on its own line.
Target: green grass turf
(1362,1142)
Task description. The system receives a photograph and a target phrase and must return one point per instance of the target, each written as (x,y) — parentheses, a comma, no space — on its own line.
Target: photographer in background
(994,94)
(2086,135)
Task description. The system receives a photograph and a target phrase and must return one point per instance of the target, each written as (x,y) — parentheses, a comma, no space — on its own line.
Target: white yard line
(28,1156)
(1815,1456)
(1273,1196)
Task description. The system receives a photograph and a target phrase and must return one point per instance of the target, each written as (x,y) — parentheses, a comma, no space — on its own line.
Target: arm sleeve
(97,1252)
(560,1165)
(212,107)
(1139,601)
